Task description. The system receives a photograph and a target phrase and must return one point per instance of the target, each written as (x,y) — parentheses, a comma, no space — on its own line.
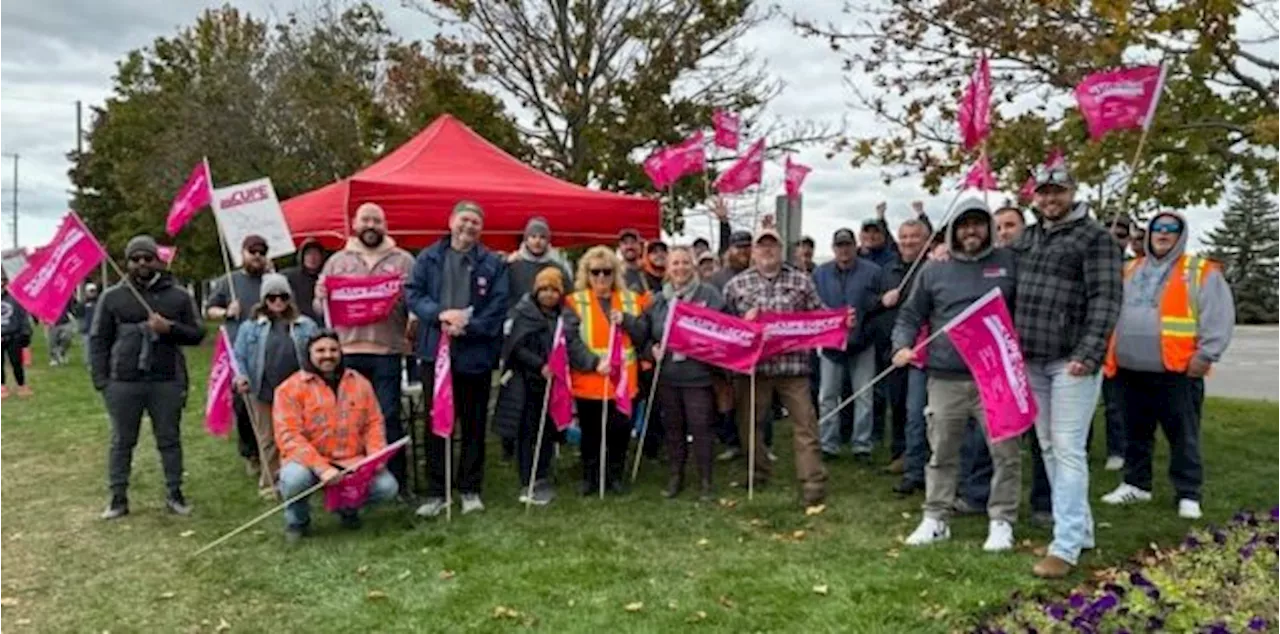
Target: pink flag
(359,300)
(560,405)
(685,158)
(789,332)
(974,114)
(984,336)
(656,168)
(1120,99)
(795,175)
(618,373)
(1055,159)
(53,271)
(166,254)
(745,172)
(222,373)
(442,391)
(195,194)
(713,337)
(980,176)
(352,490)
(726,125)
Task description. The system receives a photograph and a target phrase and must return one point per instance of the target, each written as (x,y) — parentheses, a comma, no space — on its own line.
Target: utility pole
(14,228)
(79,155)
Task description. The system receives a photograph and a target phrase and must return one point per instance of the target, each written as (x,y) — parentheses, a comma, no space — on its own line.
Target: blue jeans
(383,371)
(295,478)
(1066,406)
(916,455)
(858,369)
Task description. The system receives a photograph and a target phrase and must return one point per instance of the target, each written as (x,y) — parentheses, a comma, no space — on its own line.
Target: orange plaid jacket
(316,429)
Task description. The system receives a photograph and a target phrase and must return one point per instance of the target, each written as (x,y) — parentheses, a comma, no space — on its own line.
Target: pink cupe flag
(713,337)
(745,172)
(685,158)
(794,178)
(194,195)
(1120,99)
(52,273)
(618,373)
(222,373)
(984,336)
(560,403)
(808,330)
(656,168)
(974,113)
(166,254)
(352,490)
(726,124)
(980,176)
(442,391)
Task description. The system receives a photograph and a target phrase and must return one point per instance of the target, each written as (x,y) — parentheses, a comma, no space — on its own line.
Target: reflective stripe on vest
(583,301)
(1178,326)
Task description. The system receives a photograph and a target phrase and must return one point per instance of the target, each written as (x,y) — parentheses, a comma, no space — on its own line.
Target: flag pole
(604,410)
(129,284)
(751,442)
(1142,143)
(653,388)
(448,474)
(876,379)
(537,446)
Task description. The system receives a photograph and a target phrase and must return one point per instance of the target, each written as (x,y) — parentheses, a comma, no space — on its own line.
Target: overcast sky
(53,52)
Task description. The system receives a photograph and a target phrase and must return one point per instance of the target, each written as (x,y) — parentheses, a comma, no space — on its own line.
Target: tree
(1217,121)
(305,101)
(607,83)
(1247,244)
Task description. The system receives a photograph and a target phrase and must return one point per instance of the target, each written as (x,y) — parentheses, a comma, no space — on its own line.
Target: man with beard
(233,299)
(802,258)
(460,289)
(326,418)
(630,248)
(375,350)
(138,365)
(303,277)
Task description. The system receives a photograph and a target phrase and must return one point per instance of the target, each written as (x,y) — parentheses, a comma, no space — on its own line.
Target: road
(1251,367)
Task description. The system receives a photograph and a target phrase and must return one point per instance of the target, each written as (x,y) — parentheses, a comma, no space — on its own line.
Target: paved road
(1251,367)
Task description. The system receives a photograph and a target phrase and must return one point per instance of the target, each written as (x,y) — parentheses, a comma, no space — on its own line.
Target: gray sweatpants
(951,404)
(163,402)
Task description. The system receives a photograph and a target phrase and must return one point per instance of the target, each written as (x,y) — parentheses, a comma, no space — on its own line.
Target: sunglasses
(258,251)
(1166,227)
(142,258)
(601,272)
(284,297)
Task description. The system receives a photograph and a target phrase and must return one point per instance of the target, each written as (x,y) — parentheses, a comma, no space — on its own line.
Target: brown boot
(1051,567)
(896,467)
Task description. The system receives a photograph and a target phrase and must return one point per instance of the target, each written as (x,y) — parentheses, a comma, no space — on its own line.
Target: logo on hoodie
(995,271)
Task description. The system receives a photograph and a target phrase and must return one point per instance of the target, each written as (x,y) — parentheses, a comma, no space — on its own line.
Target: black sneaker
(118,507)
(177,504)
(350,520)
(908,487)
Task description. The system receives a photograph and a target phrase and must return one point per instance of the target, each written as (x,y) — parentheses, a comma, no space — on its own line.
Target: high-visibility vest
(594,330)
(1179,313)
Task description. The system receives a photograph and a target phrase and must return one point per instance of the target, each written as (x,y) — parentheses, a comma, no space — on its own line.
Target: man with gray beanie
(137,364)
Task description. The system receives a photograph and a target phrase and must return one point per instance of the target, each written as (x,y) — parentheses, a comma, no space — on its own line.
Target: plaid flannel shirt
(791,291)
(316,428)
(1070,290)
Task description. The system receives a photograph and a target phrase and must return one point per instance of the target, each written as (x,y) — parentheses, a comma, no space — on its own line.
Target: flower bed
(1219,580)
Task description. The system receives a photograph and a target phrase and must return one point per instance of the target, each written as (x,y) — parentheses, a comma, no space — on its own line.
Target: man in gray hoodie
(1175,323)
(943,291)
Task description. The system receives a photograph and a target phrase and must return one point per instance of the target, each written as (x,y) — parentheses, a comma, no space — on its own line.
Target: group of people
(312,400)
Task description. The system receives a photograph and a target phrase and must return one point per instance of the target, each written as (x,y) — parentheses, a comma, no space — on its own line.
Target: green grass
(570,567)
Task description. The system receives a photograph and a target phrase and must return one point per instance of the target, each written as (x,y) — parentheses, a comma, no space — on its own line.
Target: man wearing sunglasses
(232,299)
(138,366)
(1176,322)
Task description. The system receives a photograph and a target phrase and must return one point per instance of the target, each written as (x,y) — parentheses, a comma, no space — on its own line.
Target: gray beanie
(537,227)
(275,284)
(143,243)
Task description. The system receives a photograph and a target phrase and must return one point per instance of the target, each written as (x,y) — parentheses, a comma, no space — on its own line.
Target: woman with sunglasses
(600,303)
(269,348)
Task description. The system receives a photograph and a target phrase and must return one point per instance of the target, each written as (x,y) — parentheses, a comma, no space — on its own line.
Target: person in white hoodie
(1175,323)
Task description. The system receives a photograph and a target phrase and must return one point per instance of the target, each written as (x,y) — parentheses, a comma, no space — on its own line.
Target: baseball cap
(1056,175)
(628,233)
(651,245)
(706,255)
(843,236)
(701,241)
(253,240)
(740,238)
(767,233)
(871,223)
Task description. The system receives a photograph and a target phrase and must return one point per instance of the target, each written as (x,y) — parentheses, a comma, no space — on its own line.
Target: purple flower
(1055,611)
(1140,581)
(1218,628)
(1103,604)
(1241,517)
(1275,513)
(1076,600)
(1257,624)
(1191,543)
(1219,537)
(1154,623)
(1081,624)
(1270,540)
(1115,589)
(1246,552)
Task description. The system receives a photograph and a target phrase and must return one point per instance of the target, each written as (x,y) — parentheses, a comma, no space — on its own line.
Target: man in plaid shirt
(1069,297)
(772,286)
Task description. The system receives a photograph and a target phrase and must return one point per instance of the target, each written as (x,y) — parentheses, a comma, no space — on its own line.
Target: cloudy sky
(54,52)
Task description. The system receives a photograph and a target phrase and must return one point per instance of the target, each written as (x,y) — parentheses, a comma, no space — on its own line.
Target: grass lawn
(579,565)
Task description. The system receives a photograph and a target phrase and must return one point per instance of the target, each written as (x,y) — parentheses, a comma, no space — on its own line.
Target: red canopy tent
(419,183)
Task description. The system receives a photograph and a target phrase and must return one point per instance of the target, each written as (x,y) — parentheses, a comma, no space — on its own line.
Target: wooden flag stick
(537,445)
(751,443)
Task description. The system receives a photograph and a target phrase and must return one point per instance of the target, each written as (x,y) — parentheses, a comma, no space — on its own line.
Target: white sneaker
(1127,494)
(432,508)
(928,532)
(999,537)
(471,503)
(1114,463)
(1189,509)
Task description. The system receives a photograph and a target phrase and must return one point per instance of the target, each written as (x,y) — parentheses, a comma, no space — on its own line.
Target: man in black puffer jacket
(138,365)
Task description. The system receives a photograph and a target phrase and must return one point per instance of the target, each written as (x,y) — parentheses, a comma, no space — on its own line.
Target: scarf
(669,290)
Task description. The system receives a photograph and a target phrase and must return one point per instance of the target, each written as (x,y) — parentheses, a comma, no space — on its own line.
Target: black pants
(163,403)
(617,439)
(1041,495)
(688,411)
(1113,400)
(976,470)
(246,440)
(383,371)
(471,404)
(1171,401)
(13,355)
(531,425)
(896,392)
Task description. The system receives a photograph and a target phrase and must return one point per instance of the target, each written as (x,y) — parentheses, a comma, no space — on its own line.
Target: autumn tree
(1217,122)
(1247,243)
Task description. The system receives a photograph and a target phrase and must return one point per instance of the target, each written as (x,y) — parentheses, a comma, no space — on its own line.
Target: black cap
(702,241)
(253,240)
(650,246)
(740,238)
(871,223)
(1056,175)
(806,241)
(628,233)
(843,236)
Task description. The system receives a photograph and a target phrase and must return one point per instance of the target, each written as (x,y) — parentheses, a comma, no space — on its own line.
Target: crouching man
(326,418)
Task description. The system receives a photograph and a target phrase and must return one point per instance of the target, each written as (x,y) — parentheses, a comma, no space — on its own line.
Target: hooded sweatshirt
(386,336)
(524,266)
(1138,330)
(945,289)
(303,282)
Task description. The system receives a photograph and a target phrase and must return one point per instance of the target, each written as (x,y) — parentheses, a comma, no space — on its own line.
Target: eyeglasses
(258,251)
(283,297)
(601,272)
(142,258)
(1166,227)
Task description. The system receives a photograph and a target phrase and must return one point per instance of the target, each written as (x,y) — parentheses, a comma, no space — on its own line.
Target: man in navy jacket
(459,289)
